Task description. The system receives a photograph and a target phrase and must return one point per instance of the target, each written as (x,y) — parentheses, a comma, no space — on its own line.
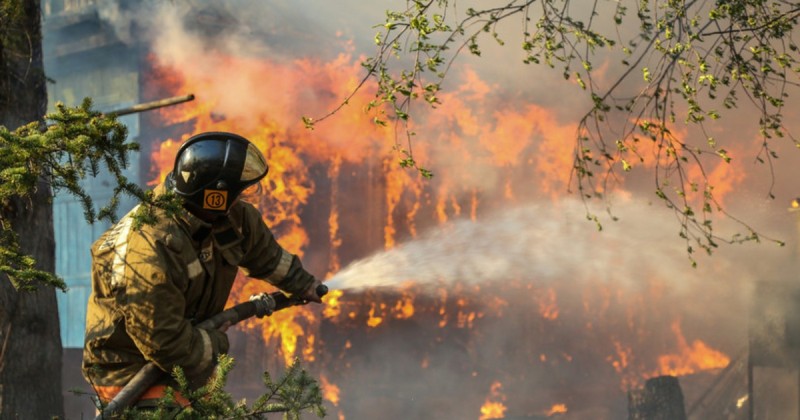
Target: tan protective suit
(150,285)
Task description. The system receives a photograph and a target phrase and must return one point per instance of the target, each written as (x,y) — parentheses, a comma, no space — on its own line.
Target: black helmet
(212,169)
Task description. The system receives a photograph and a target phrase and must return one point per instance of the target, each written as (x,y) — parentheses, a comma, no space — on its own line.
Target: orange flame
(332,307)
(485,153)
(373,320)
(330,391)
(690,359)
(494,408)
(547,304)
(404,308)
(333,218)
(557,409)
(722,176)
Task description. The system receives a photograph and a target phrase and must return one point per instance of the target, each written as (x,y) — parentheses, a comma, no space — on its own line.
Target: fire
(621,361)
(691,358)
(442,302)
(333,218)
(404,308)
(397,180)
(332,307)
(740,402)
(330,391)
(494,408)
(557,409)
(723,177)
(373,320)
(547,304)
(486,153)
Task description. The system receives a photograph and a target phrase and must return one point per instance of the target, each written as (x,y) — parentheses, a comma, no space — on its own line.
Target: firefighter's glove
(219,342)
(265,304)
(219,345)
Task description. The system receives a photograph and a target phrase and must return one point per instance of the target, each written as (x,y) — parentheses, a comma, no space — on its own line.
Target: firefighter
(152,284)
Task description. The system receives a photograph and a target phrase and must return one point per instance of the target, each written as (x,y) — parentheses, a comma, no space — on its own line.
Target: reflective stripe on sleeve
(283,267)
(207,351)
(120,252)
(195,269)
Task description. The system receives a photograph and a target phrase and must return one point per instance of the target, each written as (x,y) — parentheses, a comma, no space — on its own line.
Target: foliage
(79,142)
(693,60)
(146,213)
(293,393)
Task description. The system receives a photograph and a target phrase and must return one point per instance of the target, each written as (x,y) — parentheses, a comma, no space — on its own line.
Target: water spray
(544,243)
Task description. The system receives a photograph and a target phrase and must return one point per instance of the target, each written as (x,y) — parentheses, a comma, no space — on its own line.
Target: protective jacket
(151,284)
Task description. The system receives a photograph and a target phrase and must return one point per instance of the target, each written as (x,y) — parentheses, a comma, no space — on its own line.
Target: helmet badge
(215,199)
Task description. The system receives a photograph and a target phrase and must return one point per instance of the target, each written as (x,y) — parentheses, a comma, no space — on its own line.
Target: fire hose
(259,305)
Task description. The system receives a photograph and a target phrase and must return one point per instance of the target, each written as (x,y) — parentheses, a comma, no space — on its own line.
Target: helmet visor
(255,166)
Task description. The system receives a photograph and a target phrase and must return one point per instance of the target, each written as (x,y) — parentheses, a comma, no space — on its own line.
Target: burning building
(480,293)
